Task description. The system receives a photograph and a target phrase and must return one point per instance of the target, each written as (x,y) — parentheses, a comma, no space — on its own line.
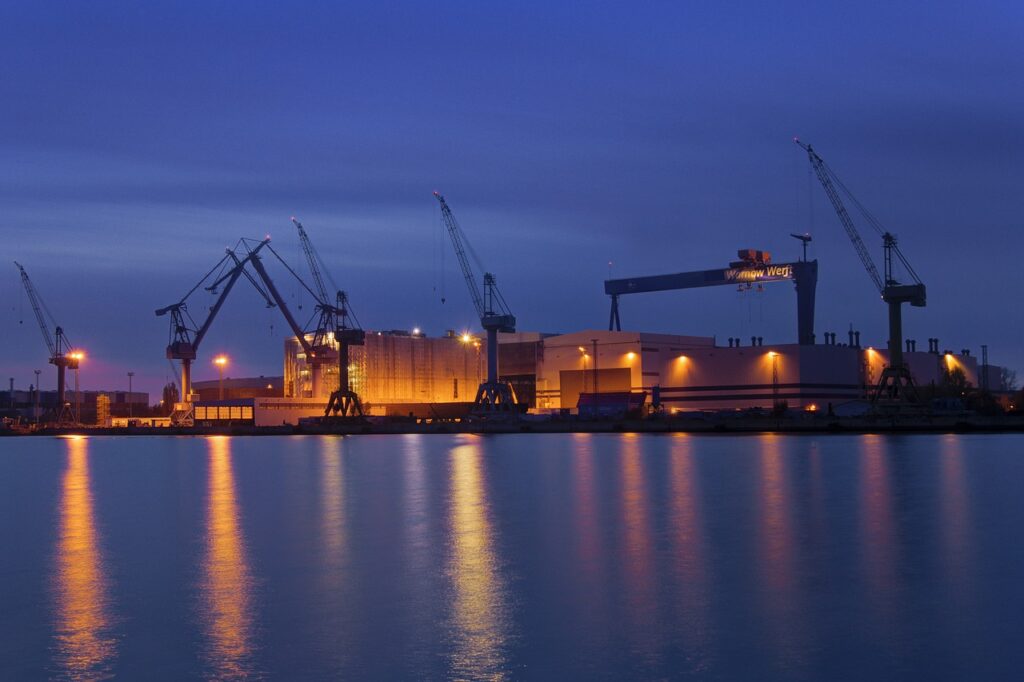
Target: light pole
(78,356)
(775,379)
(37,371)
(594,341)
(583,366)
(221,361)
(130,375)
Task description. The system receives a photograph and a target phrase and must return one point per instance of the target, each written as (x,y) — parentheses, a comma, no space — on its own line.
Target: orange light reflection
(226,590)
(640,588)
(479,608)
(689,549)
(85,646)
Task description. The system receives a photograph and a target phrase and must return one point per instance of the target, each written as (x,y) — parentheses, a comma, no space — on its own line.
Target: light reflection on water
(576,556)
(777,556)
(478,606)
(226,608)
(878,529)
(687,535)
(640,585)
(84,641)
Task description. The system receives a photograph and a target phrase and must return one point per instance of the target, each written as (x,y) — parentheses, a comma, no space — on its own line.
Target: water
(512,557)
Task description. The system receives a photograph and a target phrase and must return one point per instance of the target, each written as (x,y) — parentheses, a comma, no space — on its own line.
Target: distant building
(249,387)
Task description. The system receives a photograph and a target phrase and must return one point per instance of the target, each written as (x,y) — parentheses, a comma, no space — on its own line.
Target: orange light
(583,350)
(812,408)
(220,360)
(77,355)
(772,354)
(466,338)
(630,355)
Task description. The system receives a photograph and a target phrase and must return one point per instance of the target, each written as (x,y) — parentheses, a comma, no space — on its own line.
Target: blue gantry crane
(493,395)
(896,383)
(61,354)
(334,319)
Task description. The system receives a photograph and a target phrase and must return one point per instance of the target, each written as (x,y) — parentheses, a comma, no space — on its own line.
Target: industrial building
(400,373)
(252,387)
(96,407)
(393,367)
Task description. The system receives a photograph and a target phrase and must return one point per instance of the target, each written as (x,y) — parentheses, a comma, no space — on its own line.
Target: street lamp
(130,375)
(583,366)
(221,361)
(775,378)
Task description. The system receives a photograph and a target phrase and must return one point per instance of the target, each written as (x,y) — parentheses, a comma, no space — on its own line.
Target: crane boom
(824,176)
(455,232)
(313,258)
(37,308)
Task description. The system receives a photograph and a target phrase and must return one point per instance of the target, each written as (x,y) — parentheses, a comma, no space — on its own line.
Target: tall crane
(61,355)
(320,351)
(186,335)
(493,394)
(896,383)
(337,320)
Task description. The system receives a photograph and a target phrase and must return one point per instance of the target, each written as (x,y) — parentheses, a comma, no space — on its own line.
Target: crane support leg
(896,385)
(805,277)
(344,402)
(494,394)
(613,320)
(186,380)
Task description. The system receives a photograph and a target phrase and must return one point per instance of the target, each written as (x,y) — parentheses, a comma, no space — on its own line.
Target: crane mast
(334,319)
(896,383)
(495,317)
(186,336)
(56,343)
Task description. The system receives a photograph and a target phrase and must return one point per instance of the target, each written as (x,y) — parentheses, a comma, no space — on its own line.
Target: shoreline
(736,425)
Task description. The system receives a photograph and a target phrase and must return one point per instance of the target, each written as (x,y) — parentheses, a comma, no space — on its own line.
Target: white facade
(692,373)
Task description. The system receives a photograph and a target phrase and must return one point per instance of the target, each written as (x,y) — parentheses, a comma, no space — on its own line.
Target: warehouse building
(401,373)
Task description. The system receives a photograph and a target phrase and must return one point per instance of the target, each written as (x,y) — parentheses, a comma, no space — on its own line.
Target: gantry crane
(61,354)
(335,320)
(493,394)
(186,335)
(896,383)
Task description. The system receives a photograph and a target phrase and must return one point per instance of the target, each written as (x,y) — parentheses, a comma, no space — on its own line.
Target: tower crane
(56,342)
(493,394)
(896,383)
(186,335)
(319,352)
(335,319)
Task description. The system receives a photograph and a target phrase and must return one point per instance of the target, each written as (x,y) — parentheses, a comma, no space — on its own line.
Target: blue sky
(138,140)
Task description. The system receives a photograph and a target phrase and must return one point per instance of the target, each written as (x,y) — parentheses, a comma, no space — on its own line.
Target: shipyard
(341,378)
(535,341)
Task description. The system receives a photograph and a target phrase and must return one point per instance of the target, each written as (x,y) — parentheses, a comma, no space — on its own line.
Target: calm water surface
(512,557)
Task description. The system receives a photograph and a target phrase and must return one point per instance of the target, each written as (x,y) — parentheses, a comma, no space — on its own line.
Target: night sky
(141,139)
